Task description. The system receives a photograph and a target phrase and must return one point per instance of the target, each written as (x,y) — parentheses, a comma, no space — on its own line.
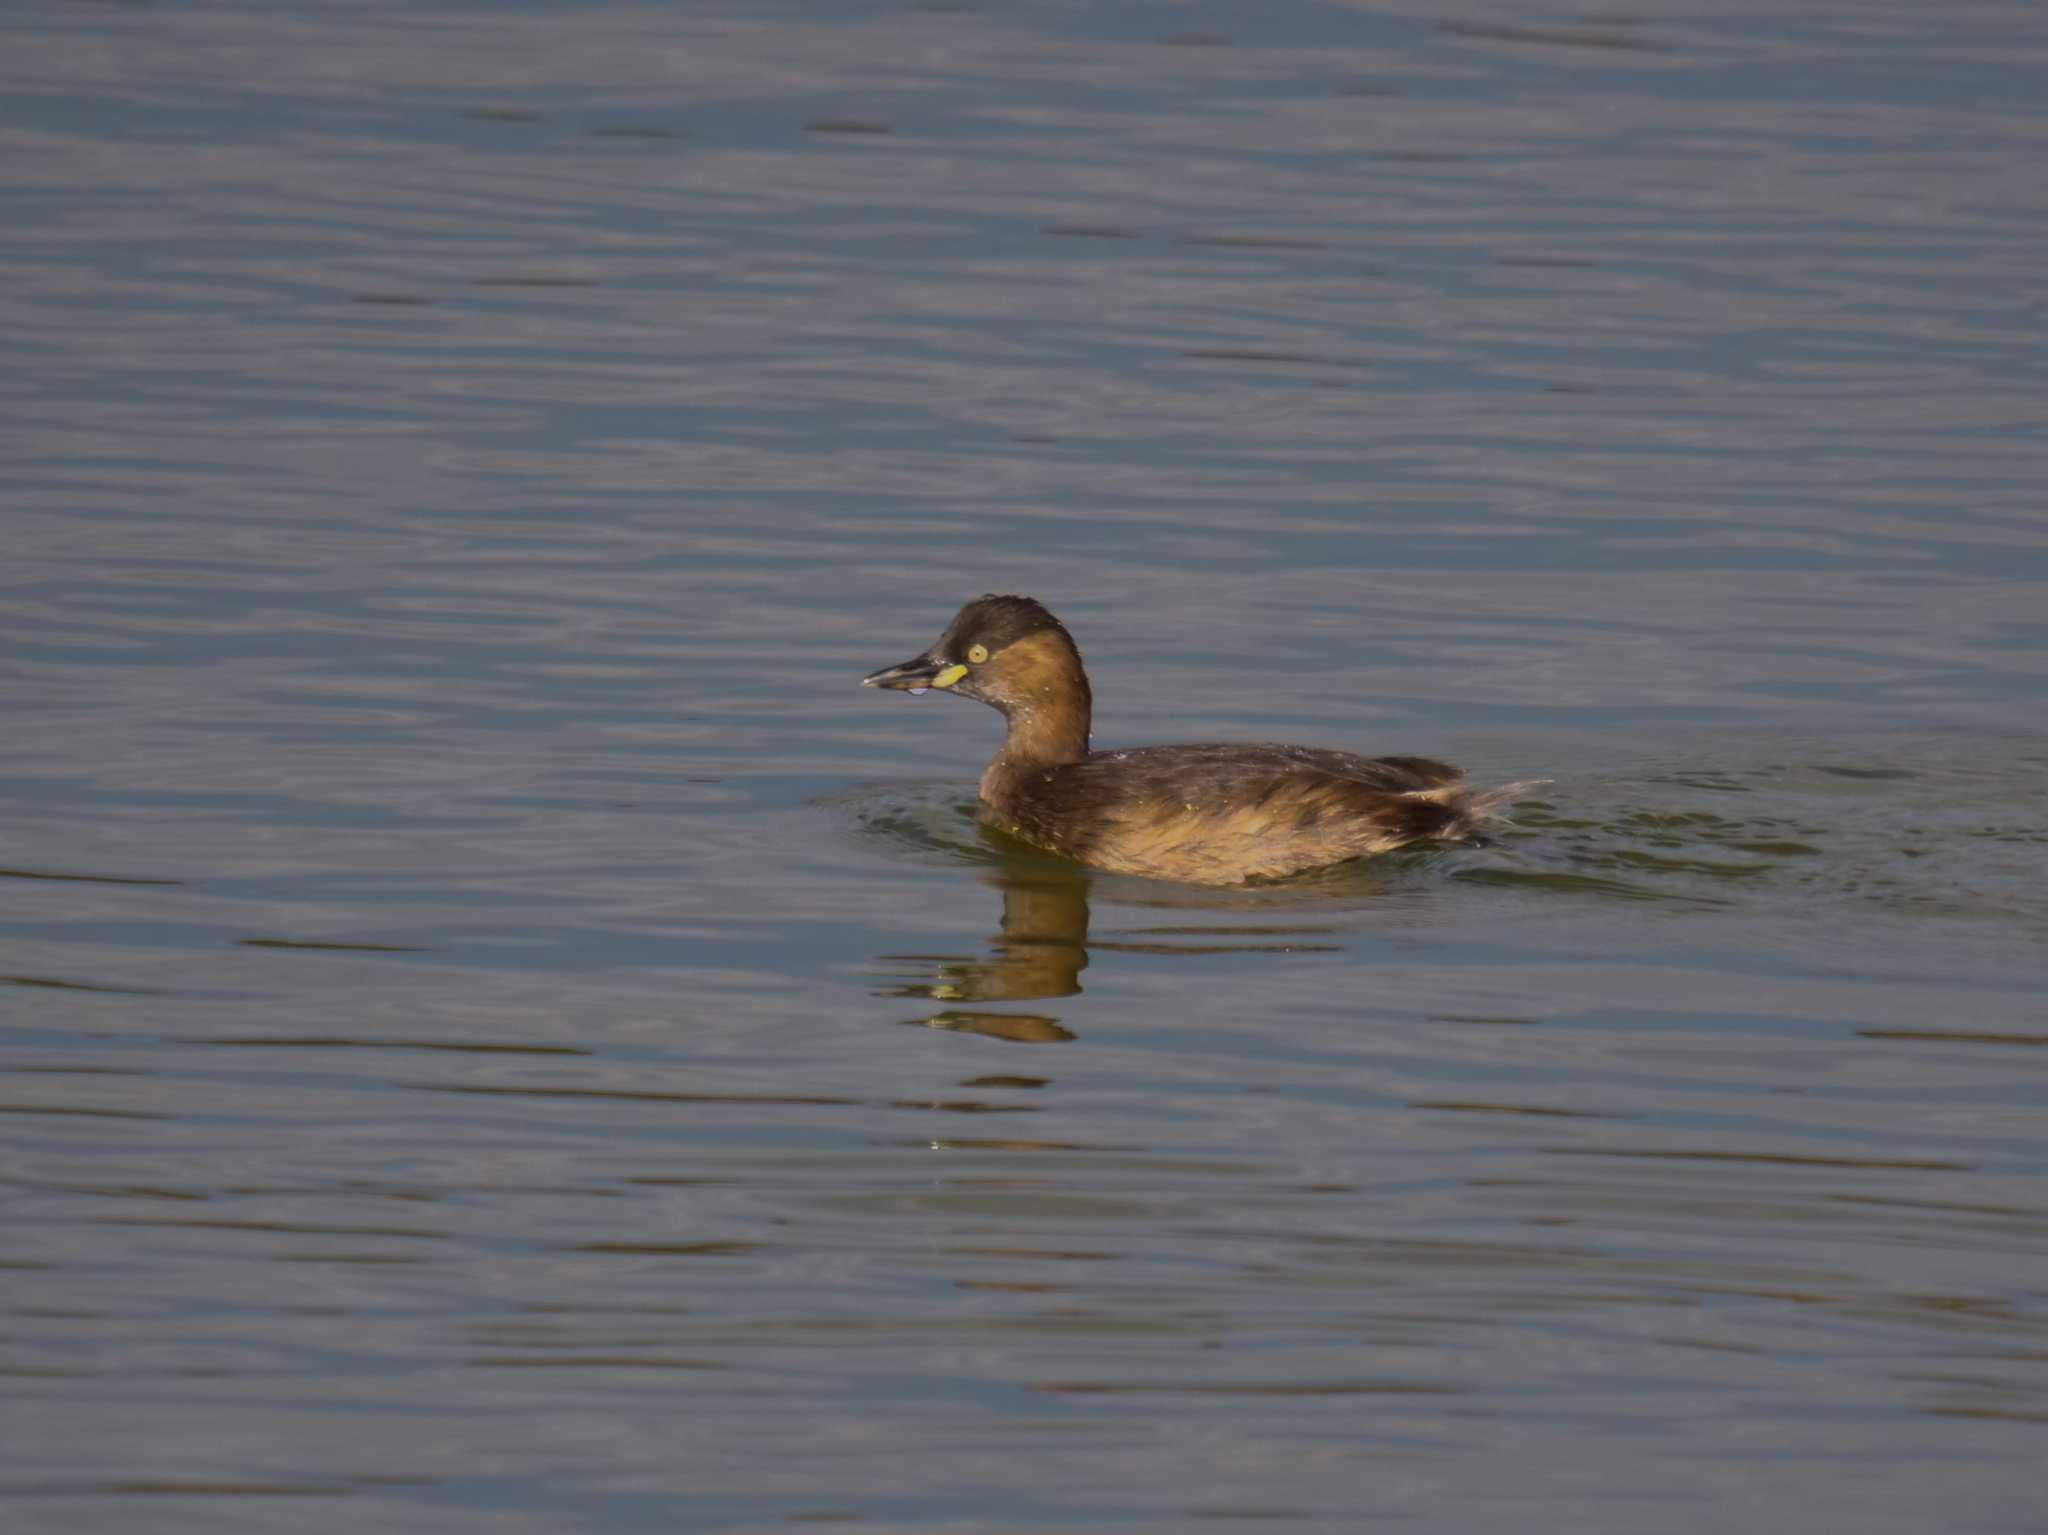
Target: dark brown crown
(997,621)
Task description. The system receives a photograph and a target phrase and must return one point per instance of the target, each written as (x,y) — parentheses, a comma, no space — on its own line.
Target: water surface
(500,1032)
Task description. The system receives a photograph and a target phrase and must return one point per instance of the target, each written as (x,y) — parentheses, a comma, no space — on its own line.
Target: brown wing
(1227,813)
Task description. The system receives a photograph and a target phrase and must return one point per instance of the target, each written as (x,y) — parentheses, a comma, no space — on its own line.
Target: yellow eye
(977,653)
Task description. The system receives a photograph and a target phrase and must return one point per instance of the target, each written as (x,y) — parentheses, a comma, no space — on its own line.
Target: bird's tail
(1471,811)
(1488,804)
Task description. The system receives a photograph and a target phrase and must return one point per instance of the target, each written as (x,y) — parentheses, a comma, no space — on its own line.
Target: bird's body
(1208,814)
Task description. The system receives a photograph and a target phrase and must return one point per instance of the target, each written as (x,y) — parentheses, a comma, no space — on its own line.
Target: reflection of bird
(1041,952)
(1044,945)
(1210,814)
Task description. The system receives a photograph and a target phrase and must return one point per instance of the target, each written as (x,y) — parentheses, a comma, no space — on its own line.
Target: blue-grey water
(500,1033)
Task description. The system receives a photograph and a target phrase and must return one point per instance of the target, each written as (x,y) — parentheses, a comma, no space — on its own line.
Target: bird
(1217,814)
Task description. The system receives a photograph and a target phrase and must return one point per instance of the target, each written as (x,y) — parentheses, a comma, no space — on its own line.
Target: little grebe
(1215,815)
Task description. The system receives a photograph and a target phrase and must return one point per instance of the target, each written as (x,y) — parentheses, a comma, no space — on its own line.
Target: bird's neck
(1045,730)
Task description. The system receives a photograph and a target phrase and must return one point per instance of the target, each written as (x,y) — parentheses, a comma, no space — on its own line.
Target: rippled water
(500,1032)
